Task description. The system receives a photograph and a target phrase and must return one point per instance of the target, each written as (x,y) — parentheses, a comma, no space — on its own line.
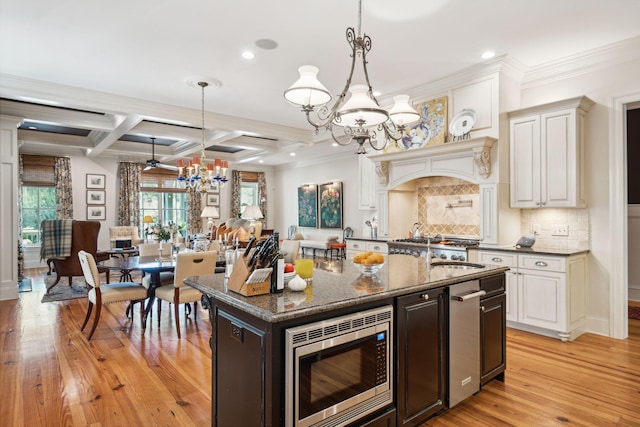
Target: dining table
(152,265)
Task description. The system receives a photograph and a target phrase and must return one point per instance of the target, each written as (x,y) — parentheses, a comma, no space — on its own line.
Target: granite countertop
(337,284)
(535,249)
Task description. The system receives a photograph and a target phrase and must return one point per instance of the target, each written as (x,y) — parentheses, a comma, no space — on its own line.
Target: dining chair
(105,294)
(153,249)
(291,248)
(187,264)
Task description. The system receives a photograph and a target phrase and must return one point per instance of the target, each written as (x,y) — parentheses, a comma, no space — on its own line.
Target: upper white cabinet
(367,181)
(547,155)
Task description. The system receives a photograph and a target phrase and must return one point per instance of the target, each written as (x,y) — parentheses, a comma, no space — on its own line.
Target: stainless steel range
(445,248)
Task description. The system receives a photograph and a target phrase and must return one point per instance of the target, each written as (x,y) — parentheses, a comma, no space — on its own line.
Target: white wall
(344,168)
(601,85)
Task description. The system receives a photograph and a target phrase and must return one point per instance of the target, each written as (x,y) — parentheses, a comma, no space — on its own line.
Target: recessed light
(32,127)
(488,54)
(377,93)
(292,154)
(260,161)
(247,54)
(334,144)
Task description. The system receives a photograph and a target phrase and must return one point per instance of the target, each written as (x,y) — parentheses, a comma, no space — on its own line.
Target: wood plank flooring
(51,376)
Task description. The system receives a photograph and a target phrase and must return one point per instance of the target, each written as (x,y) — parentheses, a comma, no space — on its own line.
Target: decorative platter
(462,122)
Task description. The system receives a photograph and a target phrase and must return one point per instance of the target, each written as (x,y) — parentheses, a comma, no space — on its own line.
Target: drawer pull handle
(496,259)
(425,297)
(541,264)
(377,248)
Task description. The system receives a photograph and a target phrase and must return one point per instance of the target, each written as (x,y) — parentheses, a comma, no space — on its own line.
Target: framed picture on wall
(95,197)
(331,205)
(308,206)
(214,187)
(213,199)
(96,181)
(96,213)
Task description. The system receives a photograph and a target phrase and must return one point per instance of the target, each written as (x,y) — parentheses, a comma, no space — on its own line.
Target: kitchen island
(248,333)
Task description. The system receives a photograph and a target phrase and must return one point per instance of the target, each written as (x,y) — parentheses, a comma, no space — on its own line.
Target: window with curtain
(161,198)
(248,188)
(38,195)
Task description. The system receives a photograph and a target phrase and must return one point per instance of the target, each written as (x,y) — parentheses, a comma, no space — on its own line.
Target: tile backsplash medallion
(449,206)
(547,219)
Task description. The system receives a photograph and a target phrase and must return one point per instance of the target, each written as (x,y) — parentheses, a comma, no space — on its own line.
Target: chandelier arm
(347,131)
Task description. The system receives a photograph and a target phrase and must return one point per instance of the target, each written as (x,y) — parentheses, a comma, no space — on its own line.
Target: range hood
(469,160)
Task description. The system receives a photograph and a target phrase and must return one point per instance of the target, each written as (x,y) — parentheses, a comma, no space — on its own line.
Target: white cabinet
(547,154)
(356,246)
(367,183)
(545,294)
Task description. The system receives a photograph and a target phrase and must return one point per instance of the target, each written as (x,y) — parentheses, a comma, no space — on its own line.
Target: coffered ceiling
(102,78)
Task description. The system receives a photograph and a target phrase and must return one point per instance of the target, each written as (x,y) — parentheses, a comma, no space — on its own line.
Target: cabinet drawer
(498,258)
(378,247)
(356,245)
(541,262)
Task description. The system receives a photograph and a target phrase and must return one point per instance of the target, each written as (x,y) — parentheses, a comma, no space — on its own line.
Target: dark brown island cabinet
(249,337)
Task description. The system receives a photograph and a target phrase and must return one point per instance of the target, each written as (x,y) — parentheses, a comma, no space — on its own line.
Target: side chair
(187,264)
(105,294)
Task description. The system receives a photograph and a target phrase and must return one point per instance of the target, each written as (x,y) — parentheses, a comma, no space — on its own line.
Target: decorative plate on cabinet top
(462,122)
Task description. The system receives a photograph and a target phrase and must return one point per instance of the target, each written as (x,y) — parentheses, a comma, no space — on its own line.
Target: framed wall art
(96,213)
(431,129)
(331,205)
(214,187)
(213,199)
(96,181)
(308,206)
(95,197)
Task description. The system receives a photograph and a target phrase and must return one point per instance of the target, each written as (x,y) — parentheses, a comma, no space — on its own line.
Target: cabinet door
(239,372)
(512,295)
(542,298)
(421,356)
(558,159)
(525,162)
(493,327)
(367,181)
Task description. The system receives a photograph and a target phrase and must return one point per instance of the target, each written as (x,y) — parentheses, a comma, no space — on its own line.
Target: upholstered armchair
(84,236)
(124,232)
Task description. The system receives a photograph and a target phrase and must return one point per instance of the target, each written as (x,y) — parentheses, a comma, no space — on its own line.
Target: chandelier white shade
(359,113)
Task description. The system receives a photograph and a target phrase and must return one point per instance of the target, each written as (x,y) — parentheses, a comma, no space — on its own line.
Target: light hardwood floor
(51,376)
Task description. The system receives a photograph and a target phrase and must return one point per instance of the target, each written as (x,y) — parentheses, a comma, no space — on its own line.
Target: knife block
(237,282)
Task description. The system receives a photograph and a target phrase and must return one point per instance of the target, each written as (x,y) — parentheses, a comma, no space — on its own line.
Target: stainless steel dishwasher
(464,340)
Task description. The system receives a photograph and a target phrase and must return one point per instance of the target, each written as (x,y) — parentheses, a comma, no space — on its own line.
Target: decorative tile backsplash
(547,219)
(449,206)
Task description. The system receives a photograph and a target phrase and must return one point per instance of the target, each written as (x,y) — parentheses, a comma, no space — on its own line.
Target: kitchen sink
(457,264)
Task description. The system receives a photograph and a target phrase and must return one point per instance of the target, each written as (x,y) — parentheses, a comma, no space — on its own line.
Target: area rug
(62,291)
(25,285)
(634,312)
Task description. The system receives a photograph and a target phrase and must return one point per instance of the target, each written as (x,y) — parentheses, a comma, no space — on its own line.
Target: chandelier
(198,173)
(360,116)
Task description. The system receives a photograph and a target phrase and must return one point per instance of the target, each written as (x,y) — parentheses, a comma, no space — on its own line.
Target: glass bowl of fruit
(369,263)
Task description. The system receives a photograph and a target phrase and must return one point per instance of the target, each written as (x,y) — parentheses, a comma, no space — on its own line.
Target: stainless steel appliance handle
(467,297)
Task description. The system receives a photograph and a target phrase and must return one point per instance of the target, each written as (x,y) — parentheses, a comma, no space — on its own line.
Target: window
(38,203)
(248,194)
(38,195)
(161,198)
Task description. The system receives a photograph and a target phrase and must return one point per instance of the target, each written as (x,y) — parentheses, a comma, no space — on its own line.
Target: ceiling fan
(153,163)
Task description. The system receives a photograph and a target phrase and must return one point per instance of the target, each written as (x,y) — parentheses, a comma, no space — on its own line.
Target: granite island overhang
(342,288)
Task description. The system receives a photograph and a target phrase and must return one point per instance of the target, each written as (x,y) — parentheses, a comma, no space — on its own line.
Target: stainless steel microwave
(339,370)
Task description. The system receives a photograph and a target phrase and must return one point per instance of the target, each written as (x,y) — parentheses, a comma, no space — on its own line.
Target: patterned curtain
(236,181)
(64,195)
(129,203)
(194,209)
(262,196)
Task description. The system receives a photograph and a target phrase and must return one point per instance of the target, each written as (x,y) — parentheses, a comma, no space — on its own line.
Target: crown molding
(583,63)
